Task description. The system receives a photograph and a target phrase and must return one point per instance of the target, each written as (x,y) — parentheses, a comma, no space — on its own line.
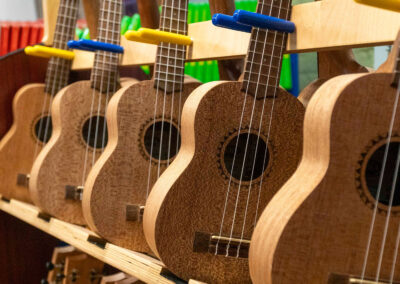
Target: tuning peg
(44,281)
(49,266)
(60,276)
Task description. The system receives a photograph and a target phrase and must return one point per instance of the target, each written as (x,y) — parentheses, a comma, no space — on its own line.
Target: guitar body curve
(61,162)
(317,225)
(120,176)
(17,148)
(189,196)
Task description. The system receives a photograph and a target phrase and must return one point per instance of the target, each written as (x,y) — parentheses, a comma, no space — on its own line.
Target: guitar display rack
(323,25)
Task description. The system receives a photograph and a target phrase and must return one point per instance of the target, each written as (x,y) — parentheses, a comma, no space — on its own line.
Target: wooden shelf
(321,25)
(143,267)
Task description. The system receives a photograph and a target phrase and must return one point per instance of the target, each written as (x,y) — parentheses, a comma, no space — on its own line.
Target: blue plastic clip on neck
(92,45)
(262,21)
(225,21)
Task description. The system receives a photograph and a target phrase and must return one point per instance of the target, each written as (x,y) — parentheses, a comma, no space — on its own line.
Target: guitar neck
(105,75)
(264,56)
(170,62)
(58,69)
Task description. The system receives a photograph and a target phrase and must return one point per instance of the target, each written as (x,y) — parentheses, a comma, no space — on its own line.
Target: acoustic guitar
(240,142)
(336,220)
(144,137)
(32,126)
(79,129)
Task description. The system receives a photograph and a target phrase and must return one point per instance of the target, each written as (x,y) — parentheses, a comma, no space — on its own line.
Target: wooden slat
(139,265)
(323,25)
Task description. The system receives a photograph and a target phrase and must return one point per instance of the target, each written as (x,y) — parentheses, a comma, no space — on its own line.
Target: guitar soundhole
(256,154)
(43,129)
(373,171)
(165,135)
(98,136)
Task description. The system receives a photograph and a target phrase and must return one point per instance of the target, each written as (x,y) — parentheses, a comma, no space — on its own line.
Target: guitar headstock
(57,264)
(82,269)
(119,278)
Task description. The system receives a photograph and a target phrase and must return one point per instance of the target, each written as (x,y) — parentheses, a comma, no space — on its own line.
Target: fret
(264,55)
(58,69)
(105,75)
(170,60)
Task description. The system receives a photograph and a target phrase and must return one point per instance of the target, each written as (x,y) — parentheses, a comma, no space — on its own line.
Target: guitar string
(115,71)
(249,133)
(394,182)
(165,90)
(63,62)
(173,81)
(109,58)
(94,77)
(54,61)
(250,63)
(381,175)
(157,77)
(177,50)
(276,86)
(396,250)
(270,122)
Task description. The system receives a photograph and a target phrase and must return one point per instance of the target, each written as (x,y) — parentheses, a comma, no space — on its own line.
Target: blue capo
(92,45)
(262,21)
(225,21)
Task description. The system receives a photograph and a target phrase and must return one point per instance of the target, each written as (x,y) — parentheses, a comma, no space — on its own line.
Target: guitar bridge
(73,192)
(220,245)
(23,180)
(350,279)
(134,213)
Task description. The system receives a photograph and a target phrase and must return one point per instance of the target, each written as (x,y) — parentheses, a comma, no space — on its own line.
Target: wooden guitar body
(317,226)
(17,148)
(61,161)
(120,176)
(189,196)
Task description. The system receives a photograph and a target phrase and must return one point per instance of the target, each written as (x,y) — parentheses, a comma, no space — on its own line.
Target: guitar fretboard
(105,75)
(170,62)
(264,56)
(58,69)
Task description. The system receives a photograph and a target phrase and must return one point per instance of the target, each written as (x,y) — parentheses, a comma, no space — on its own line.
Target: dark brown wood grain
(189,196)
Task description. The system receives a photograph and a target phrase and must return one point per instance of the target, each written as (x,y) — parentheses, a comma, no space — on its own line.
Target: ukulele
(32,125)
(79,129)
(331,64)
(57,264)
(82,269)
(336,220)
(240,142)
(144,137)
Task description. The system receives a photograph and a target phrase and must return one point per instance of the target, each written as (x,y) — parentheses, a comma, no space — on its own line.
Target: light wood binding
(189,196)
(31,103)
(120,176)
(61,163)
(318,223)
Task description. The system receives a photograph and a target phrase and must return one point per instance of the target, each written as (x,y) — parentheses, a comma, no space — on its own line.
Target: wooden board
(141,266)
(322,25)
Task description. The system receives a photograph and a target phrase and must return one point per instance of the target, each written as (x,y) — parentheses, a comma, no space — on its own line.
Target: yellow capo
(393,5)
(47,52)
(151,36)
